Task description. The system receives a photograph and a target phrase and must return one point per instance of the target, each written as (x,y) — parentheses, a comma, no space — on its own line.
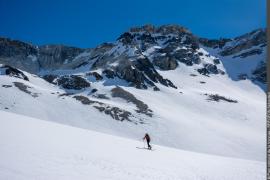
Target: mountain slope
(161,80)
(243,57)
(193,117)
(72,153)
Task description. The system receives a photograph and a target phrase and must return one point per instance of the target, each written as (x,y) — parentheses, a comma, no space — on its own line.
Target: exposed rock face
(242,76)
(250,46)
(67,81)
(11,48)
(170,35)
(84,100)
(140,51)
(50,78)
(19,55)
(6,86)
(142,107)
(109,73)
(101,96)
(72,82)
(25,88)
(234,46)
(246,41)
(259,74)
(146,67)
(214,43)
(165,63)
(216,61)
(115,112)
(8,70)
(140,73)
(127,59)
(217,98)
(187,57)
(135,77)
(136,56)
(97,76)
(165,29)
(33,58)
(54,56)
(126,38)
(209,69)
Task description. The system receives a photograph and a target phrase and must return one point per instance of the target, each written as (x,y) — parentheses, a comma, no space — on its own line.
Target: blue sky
(88,23)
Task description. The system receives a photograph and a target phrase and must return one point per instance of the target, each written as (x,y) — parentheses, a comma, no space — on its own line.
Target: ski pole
(143,144)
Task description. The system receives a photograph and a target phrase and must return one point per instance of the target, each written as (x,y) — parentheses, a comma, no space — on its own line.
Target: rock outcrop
(72,82)
(8,70)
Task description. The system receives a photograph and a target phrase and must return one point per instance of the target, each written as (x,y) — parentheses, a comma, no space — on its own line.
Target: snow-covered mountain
(184,90)
(243,57)
(72,153)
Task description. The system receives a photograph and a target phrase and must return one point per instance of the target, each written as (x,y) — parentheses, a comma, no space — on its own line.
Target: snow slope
(243,56)
(182,118)
(183,94)
(236,66)
(35,149)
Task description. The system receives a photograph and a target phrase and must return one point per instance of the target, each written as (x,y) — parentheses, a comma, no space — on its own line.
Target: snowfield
(32,149)
(183,118)
(202,102)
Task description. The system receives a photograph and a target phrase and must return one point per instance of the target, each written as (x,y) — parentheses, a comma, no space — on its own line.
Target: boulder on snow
(260,74)
(217,98)
(209,69)
(72,82)
(216,61)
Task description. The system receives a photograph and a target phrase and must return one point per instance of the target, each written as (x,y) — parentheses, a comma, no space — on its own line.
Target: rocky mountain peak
(246,41)
(164,29)
(171,36)
(10,48)
(136,56)
(258,36)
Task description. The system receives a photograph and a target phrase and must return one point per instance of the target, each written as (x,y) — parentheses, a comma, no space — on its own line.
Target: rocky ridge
(136,56)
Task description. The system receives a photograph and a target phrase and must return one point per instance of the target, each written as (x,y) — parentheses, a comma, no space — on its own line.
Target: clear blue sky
(89,23)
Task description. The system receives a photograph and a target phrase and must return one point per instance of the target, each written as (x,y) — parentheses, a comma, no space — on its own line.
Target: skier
(147,138)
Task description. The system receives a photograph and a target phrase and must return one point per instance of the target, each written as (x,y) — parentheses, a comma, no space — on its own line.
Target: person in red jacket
(147,138)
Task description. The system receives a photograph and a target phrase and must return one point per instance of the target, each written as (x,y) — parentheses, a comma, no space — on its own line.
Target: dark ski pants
(148,144)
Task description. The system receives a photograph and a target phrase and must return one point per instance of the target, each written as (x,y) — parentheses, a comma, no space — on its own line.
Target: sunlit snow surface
(193,136)
(33,149)
(183,118)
